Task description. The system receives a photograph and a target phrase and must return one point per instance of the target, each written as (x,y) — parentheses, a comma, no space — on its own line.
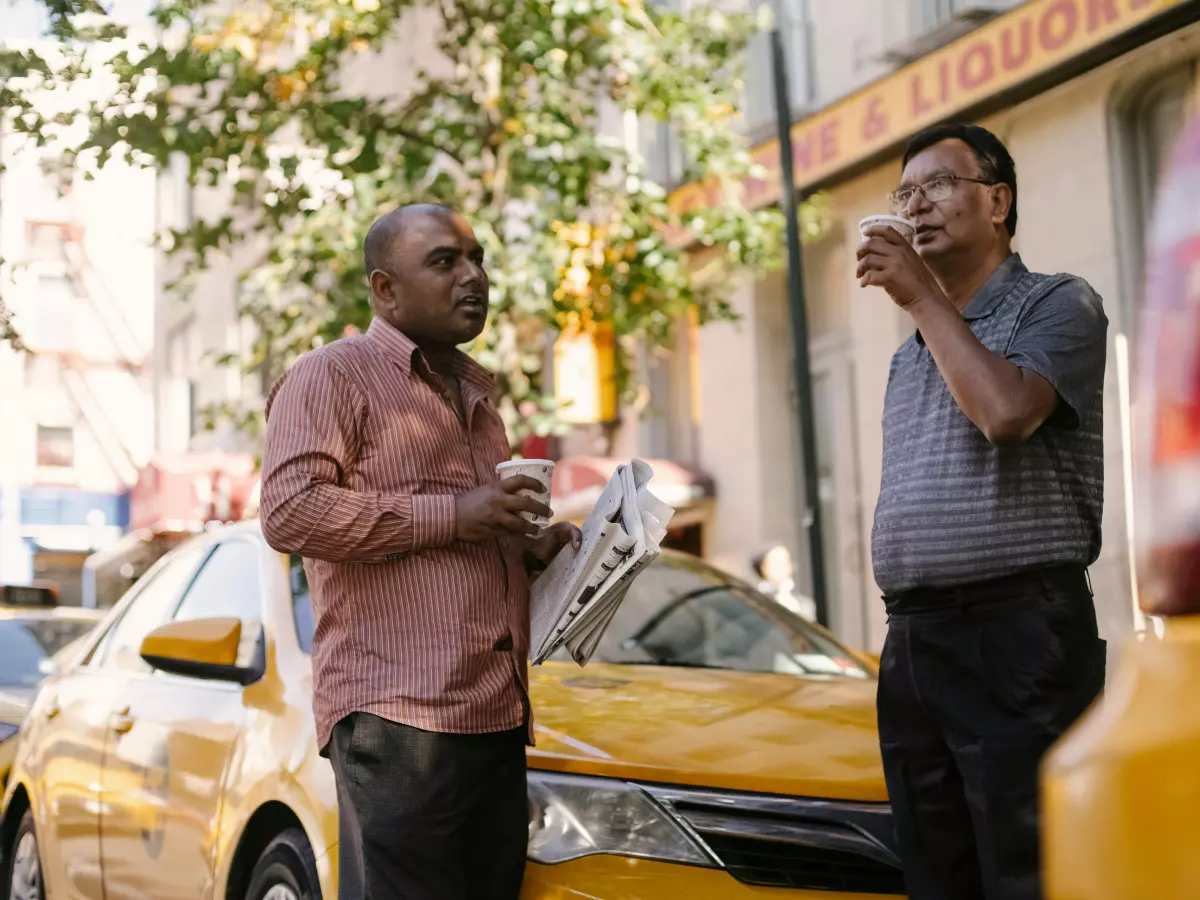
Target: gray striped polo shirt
(955,508)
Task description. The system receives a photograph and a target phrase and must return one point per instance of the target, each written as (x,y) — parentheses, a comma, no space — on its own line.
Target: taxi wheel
(25,871)
(287,870)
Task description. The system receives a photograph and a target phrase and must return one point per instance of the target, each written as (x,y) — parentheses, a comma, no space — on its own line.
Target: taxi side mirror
(199,648)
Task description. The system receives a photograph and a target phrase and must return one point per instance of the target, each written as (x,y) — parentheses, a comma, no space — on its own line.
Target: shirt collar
(994,290)
(404,351)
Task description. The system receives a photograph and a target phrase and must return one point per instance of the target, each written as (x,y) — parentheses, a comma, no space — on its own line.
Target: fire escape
(58,248)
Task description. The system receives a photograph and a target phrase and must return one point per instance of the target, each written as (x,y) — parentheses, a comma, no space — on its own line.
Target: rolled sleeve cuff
(1069,413)
(433,520)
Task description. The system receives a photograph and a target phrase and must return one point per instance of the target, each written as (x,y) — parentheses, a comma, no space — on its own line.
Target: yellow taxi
(35,632)
(718,746)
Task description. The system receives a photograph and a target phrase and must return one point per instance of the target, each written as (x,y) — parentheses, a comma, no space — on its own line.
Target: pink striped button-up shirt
(363,459)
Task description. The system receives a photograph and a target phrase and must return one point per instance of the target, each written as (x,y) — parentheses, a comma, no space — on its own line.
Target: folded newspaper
(575,599)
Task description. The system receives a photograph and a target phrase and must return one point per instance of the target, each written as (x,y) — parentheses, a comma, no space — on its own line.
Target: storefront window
(1157,119)
(1149,120)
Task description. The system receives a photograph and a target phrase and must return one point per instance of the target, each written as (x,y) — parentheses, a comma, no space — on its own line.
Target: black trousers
(975,684)
(425,816)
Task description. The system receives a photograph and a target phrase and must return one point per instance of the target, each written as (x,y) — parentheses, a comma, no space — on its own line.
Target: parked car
(36,635)
(718,744)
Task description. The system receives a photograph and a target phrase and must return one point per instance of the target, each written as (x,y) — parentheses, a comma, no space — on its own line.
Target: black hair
(390,226)
(995,162)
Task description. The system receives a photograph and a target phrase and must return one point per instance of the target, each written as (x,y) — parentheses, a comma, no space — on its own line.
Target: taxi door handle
(122,722)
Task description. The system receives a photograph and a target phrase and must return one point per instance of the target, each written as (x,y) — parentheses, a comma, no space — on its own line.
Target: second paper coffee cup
(905,227)
(538,469)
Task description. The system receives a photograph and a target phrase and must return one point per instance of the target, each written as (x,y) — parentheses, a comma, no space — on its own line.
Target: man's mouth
(925,231)
(475,303)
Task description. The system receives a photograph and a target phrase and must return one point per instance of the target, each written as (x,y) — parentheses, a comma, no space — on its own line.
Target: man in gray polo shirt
(988,516)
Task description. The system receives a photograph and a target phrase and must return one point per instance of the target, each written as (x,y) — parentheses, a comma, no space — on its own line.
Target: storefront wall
(1075,217)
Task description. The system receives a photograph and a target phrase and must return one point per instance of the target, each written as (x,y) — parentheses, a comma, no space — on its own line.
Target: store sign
(1012,49)
(584,377)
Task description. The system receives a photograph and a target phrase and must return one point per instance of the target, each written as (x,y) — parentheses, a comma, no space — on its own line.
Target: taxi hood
(811,736)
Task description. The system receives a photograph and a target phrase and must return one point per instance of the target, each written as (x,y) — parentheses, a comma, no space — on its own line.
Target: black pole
(804,401)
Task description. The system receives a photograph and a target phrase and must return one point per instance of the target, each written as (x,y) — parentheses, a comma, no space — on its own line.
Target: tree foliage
(501,120)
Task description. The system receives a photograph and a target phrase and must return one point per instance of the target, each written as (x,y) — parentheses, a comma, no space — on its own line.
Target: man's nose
(917,203)
(472,272)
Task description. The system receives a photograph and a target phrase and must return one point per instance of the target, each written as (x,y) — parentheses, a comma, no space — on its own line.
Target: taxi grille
(778,864)
(797,843)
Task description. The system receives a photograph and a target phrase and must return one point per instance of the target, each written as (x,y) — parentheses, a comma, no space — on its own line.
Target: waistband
(993,590)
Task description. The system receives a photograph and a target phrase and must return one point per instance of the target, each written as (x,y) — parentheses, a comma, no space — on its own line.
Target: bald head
(389,227)
(425,269)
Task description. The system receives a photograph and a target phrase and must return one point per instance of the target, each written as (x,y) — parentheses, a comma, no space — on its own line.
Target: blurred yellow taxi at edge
(1120,789)
(718,746)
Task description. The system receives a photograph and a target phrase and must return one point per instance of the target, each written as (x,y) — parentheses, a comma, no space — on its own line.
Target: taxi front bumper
(617,878)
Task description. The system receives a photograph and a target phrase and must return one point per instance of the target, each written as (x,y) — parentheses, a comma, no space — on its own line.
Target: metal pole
(804,401)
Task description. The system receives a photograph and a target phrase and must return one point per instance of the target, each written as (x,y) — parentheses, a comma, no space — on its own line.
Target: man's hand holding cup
(886,259)
(501,509)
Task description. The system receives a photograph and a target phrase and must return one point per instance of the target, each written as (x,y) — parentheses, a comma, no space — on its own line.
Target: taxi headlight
(572,816)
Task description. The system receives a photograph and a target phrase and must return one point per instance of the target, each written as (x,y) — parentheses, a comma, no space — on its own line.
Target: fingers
(521,483)
(874,245)
(562,533)
(872,262)
(522,503)
(884,232)
(512,523)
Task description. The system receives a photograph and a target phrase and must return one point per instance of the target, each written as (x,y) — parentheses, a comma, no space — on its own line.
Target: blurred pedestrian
(776,579)
(380,470)
(988,516)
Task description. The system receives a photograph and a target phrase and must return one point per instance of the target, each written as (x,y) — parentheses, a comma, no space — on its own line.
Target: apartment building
(1088,95)
(79,276)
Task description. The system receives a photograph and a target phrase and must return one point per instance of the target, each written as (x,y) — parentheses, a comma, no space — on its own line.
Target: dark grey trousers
(974,687)
(427,816)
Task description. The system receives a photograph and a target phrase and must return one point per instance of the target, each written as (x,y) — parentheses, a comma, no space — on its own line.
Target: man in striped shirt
(989,513)
(380,470)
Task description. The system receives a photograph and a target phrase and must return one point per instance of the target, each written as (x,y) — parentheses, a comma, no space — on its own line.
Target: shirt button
(504,645)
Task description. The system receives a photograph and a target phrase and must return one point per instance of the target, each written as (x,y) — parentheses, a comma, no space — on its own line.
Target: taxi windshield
(27,645)
(682,612)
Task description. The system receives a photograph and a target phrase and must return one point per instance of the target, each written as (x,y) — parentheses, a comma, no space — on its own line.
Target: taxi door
(71,724)
(174,738)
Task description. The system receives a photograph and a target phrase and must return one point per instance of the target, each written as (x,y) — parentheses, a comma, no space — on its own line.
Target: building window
(1156,120)
(55,447)
(662,150)
(930,14)
(54,306)
(1148,120)
(796,29)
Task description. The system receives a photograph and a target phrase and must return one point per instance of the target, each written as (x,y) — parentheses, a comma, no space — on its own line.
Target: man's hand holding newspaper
(576,597)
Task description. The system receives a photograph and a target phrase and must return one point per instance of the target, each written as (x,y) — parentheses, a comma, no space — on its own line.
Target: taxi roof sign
(36,595)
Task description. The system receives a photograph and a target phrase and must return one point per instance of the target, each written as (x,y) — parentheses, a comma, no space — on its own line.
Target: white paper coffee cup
(538,469)
(906,228)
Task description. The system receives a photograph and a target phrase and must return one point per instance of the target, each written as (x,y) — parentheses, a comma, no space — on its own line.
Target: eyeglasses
(935,190)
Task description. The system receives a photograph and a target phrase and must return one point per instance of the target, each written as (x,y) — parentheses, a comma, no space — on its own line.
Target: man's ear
(382,288)
(1002,199)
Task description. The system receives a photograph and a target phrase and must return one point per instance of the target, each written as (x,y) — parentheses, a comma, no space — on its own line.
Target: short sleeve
(1063,337)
